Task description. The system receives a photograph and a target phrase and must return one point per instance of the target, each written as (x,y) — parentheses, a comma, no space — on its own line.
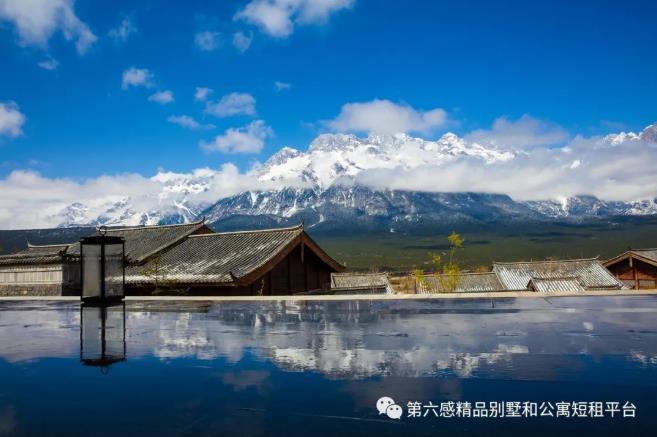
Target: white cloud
(39,201)
(248,139)
(595,166)
(189,122)
(123,31)
(207,41)
(525,132)
(49,64)
(11,120)
(36,21)
(232,104)
(280,86)
(136,77)
(386,117)
(278,18)
(201,94)
(537,173)
(161,97)
(242,41)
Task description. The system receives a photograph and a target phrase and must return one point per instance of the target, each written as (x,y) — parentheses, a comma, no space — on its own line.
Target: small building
(557,275)
(264,262)
(636,268)
(466,283)
(360,283)
(540,276)
(46,270)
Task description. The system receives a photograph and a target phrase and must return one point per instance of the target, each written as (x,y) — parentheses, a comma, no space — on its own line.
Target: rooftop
(591,273)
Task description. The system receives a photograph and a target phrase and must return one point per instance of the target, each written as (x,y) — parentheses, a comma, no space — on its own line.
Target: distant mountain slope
(323,187)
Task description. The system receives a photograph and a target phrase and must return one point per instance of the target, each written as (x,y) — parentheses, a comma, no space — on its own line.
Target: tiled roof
(222,257)
(468,282)
(555,285)
(360,281)
(144,241)
(590,273)
(648,255)
(36,255)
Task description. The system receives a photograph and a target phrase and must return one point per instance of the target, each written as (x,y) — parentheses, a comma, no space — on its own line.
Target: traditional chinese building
(183,259)
(636,268)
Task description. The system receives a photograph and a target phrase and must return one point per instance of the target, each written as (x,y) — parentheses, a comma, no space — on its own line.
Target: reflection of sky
(320,367)
(530,338)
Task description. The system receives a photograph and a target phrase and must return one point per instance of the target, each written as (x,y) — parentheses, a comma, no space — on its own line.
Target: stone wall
(31,290)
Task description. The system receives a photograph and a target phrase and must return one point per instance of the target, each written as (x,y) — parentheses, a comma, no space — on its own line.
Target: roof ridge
(251,231)
(48,245)
(171,225)
(546,261)
(554,278)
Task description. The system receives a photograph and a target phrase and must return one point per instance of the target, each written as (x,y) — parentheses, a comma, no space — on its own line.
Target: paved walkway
(486,295)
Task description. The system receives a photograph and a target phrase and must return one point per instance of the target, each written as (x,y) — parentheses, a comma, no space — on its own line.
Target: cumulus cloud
(189,122)
(386,117)
(248,139)
(11,120)
(201,94)
(242,41)
(36,21)
(232,104)
(281,86)
(278,18)
(595,166)
(161,97)
(122,32)
(207,41)
(42,202)
(49,64)
(525,132)
(136,77)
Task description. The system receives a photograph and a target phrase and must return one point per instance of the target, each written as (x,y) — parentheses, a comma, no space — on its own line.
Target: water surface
(302,368)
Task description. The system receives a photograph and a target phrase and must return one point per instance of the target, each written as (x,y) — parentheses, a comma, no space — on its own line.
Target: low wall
(31,290)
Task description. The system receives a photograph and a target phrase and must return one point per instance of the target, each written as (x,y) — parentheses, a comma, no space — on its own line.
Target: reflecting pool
(319,367)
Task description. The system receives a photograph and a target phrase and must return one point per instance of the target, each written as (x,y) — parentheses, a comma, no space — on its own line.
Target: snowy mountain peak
(333,157)
(649,134)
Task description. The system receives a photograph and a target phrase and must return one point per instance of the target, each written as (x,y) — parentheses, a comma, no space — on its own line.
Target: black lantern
(102,268)
(102,334)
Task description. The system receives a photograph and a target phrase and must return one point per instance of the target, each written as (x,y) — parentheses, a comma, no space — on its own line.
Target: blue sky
(585,67)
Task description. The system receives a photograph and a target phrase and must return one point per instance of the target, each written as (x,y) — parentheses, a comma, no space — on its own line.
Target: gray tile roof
(650,254)
(590,273)
(143,241)
(46,254)
(355,282)
(222,257)
(555,285)
(468,282)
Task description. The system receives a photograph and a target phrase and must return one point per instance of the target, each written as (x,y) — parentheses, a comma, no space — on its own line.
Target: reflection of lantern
(102,267)
(102,334)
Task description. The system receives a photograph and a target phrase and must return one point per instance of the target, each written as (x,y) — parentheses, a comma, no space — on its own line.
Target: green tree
(449,272)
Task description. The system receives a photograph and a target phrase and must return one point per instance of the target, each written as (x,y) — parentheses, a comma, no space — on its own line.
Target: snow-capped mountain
(322,186)
(331,157)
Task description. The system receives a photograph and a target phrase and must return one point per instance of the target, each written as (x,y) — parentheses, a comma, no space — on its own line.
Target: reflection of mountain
(524,339)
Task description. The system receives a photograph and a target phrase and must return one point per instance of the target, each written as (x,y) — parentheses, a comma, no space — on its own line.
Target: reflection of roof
(33,254)
(467,282)
(551,285)
(225,257)
(646,255)
(360,281)
(590,273)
